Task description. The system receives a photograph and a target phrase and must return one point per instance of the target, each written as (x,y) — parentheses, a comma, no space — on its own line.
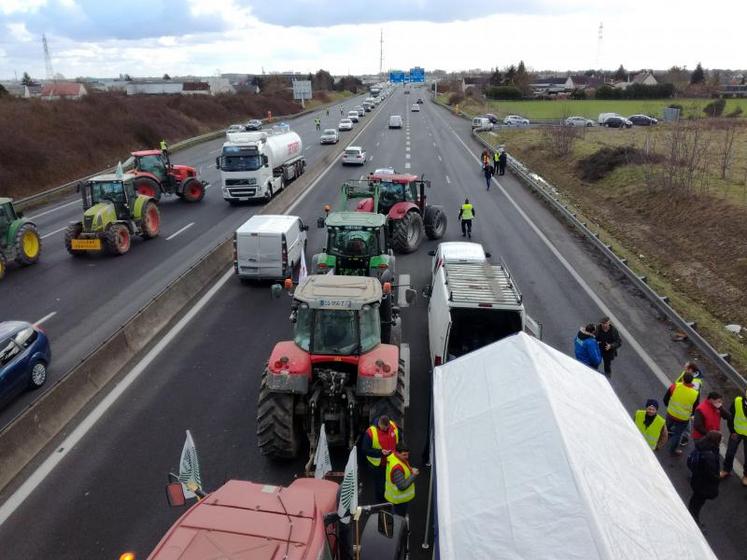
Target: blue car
(24,358)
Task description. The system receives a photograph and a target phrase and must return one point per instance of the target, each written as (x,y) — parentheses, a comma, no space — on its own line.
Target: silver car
(354,116)
(345,124)
(578,121)
(329,136)
(515,120)
(354,155)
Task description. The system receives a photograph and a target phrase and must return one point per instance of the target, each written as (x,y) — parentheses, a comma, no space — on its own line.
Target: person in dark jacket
(586,347)
(609,341)
(379,440)
(705,479)
(488,172)
(503,158)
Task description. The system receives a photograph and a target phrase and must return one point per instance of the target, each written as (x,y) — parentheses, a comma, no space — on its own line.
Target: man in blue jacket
(587,347)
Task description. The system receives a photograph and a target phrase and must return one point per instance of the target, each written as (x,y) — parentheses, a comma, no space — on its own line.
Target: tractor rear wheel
(193,190)
(148,187)
(118,239)
(2,266)
(407,233)
(151,226)
(28,244)
(277,435)
(435,222)
(73,231)
(393,405)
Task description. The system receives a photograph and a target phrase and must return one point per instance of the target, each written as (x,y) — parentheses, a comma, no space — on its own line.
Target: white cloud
(8,7)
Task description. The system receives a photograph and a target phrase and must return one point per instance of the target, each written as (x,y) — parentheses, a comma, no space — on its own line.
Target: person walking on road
(466,215)
(609,341)
(502,160)
(488,172)
(737,434)
(318,123)
(586,347)
(681,401)
(707,416)
(705,479)
(400,480)
(327,111)
(342,111)
(698,379)
(380,440)
(652,425)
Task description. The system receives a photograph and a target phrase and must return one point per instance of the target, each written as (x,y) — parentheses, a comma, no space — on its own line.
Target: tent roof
(536,457)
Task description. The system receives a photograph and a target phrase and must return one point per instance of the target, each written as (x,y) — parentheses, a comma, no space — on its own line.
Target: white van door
(269,256)
(532,327)
(247,253)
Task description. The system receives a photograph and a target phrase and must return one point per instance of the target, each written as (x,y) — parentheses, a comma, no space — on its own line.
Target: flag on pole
(189,468)
(303,273)
(349,488)
(119,172)
(321,457)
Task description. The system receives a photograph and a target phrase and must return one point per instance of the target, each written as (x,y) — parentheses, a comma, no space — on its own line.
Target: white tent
(536,458)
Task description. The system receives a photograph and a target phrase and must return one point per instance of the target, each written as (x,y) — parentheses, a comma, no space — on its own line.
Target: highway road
(81,302)
(106,495)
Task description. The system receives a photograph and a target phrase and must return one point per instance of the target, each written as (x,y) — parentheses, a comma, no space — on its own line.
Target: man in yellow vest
(380,440)
(496,161)
(164,147)
(738,429)
(651,425)
(690,367)
(466,215)
(399,488)
(681,400)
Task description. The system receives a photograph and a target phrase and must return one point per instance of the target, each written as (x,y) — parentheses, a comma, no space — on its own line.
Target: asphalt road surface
(106,495)
(83,301)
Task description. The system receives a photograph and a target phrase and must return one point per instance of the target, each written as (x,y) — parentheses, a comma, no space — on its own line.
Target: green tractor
(112,213)
(357,245)
(19,238)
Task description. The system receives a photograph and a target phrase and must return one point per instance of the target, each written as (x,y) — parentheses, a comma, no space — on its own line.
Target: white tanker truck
(259,164)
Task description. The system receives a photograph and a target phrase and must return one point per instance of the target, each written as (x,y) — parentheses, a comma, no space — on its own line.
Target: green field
(558,109)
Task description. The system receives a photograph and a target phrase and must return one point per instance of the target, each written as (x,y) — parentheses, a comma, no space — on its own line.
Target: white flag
(321,457)
(119,172)
(303,273)
(331,272)
(189,468)
(349,488)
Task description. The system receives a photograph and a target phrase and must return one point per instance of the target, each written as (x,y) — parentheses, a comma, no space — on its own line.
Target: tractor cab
(115,188)
(397,188)
(155,162)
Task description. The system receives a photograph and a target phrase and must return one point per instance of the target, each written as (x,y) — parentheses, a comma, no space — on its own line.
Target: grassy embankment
(690,245)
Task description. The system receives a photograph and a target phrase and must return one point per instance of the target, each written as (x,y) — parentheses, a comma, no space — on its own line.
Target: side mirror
(175,494)
(386,524)
(265,161)
(410,295)
(320,222)
(77,188)
(304,228)
(432,252)
(487,255)
(217,162)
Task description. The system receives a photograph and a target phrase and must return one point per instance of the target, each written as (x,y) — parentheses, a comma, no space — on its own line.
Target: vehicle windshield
(337,332)
(151,164)
(329,132)
(390,193)
(343,242)
(109,190)
(352,152)
(242,162)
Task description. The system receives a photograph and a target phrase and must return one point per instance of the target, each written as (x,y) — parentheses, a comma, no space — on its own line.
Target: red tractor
(156,176)
(402,201)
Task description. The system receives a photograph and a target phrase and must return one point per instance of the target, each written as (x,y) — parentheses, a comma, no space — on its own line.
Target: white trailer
(256,165)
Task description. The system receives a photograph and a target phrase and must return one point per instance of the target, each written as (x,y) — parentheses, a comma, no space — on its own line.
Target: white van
(604,116)
(472,303)
(269,247)
(481,123)
(395,121)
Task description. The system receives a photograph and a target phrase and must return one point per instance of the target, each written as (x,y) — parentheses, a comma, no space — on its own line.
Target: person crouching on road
(609,341)
(738,429)
(400,480)
(681,401)
(651,425)
(586,347)
(466,215)
(380,440)
(705,479)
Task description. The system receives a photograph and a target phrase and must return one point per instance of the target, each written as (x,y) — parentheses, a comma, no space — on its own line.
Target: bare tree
(684,160)
(726,147)
(561,138)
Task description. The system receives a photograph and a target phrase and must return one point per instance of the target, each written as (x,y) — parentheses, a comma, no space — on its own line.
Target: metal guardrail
(550,195)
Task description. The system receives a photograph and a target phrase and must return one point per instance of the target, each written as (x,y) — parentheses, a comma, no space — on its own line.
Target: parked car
(643,120)
(578,121)
(415,108)
(492,118)
(345,124)
(515,120)
(24,358)
(617,122)
(329,136)
(420,100)
(269,247)
(481,123)
(395,121)
(254,124)
(236,128)
(354,155)
(604,116)
(354,116)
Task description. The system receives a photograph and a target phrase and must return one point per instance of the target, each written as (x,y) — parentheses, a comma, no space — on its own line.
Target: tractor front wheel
(73,231)
(151,221)
(407,233)
(28,244)
(193,190)
(277,435)
(118,239)
(435,222)
(148,187)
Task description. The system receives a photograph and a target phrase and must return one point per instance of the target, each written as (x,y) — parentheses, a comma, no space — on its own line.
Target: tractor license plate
(86,244)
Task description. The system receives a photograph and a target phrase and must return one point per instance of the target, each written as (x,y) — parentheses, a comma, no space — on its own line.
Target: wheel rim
(153,220)
(146,190)
(123,239)
(38,374)
(194,191)
(411,232)
(30,244)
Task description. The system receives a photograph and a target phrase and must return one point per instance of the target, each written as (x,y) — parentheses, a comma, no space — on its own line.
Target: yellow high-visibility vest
(652,432)
(681,402)
(163,145)
(467,213)
(740,420)
(392,494)
(376,444)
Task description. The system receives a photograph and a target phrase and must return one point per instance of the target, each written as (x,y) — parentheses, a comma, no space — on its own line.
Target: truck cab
(472,303)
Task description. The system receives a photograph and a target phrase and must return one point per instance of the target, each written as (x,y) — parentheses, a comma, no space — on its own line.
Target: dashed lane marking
(53,232)
(47,317)
(177,232)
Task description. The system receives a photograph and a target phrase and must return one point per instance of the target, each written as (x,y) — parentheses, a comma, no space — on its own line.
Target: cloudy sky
(150,37)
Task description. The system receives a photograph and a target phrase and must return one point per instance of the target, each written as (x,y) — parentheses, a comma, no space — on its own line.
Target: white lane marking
(177,232)
(377,144)
(434,144)
(215,151)
(448,180)
(407,156)
(53,232)
(208,186)
(371,158)
(407,148)
(307,148)
(211,165)
(407,143)
(439,157)
(49,464)
(60,207)
(45,318)
(407,165)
